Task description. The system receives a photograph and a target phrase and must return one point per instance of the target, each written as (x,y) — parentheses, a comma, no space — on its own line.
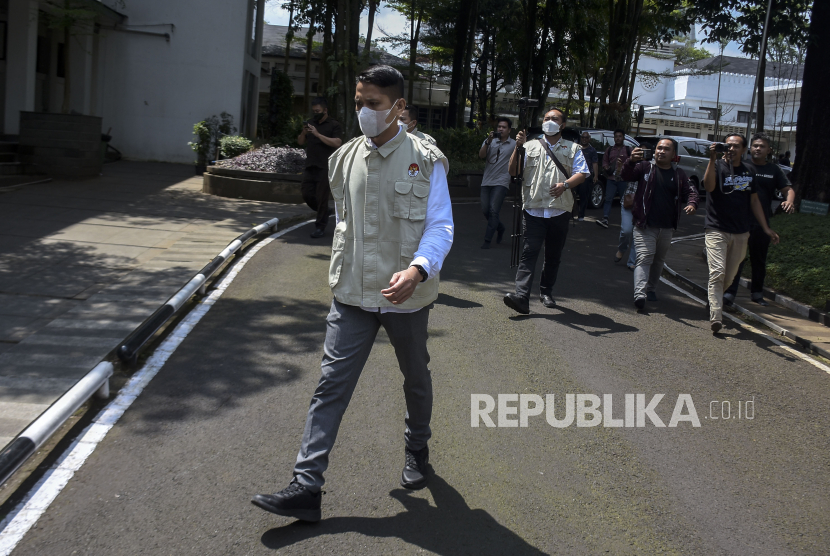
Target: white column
(20,62)
(80,67)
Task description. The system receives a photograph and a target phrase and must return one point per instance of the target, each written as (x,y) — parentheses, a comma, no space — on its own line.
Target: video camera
(526,106)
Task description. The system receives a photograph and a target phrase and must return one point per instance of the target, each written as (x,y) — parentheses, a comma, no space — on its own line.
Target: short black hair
(618,130)
(787,153)
(319,101)
(413,111)
(550,108)
(763,137)
(506,120)
(743,139)
(386,78)
(673,143)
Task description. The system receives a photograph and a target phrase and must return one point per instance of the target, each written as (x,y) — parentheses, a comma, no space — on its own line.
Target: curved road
(223,419)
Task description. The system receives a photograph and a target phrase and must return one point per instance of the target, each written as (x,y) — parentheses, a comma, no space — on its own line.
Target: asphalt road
(223,419)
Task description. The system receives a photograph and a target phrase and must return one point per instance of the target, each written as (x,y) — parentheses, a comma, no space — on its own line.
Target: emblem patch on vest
(413,170)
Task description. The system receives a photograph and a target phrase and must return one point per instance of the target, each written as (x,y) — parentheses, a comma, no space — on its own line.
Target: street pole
(717,101)
(758,75)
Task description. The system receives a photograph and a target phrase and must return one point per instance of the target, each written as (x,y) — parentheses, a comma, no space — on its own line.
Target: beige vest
(422,135)
(381,196)
(540,172)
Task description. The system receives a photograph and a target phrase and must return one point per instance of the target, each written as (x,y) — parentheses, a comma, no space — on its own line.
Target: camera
(720,148)
(525,102)
(648,154)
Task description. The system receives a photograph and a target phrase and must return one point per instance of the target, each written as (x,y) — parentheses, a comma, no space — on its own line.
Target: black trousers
(552,232)
(584,190)
(757,246)
(316,192)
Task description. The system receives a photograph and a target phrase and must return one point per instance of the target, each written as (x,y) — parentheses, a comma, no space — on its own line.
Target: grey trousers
(652,244)
(350,333)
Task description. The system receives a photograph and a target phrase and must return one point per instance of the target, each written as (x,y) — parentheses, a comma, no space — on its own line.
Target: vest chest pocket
(531,164)
(411,199)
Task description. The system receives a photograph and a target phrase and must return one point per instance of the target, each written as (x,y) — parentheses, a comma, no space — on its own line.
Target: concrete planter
(256,186)
(61,145)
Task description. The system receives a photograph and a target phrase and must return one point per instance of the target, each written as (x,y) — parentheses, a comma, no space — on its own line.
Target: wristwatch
(422,272)
(567,185)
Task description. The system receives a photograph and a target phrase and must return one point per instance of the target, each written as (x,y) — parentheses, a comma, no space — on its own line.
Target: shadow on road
(592,324)
(450,527)
(450,301)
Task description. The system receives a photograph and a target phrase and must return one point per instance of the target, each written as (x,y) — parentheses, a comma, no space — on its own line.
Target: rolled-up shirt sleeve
(579,164)
(438,225)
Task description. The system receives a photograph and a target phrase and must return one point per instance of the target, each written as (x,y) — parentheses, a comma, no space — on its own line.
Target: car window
(608,140)
(690,148)
(703,148)
(596,142)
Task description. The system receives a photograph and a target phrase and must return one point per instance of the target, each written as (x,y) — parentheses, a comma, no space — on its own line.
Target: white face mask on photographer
(373,122)
(550,127)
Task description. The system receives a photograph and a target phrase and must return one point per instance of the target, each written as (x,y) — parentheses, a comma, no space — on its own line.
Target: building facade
(149,68)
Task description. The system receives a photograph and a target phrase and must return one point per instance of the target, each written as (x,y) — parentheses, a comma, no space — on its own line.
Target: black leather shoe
(293,501)
(415,474)
(651,296)
(500,234)
(547,301)
(640,302)
(319,232)
(518,304)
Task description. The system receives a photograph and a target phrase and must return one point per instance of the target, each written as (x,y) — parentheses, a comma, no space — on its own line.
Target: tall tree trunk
(456,82)
(493,81)
(323,83)
(482,78)
(373,7)
(309,45)
(468,63)
(812,178)
(414,36)
(759,101)
(289,36)
(633,79)
(581,84)
(529,40)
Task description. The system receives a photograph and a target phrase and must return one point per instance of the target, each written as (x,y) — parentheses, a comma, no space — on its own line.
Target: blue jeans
(492,196)
(612,189)
(627,235)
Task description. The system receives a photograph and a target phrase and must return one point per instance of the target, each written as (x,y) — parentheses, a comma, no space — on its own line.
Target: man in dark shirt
(322,138)
(592,159)
(612,161)
(662,190)
(784,159)
(767,179)
(731,203)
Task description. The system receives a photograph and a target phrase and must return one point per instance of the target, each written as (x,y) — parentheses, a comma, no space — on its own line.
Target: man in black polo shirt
(322,138)
(768,177)
(730,205)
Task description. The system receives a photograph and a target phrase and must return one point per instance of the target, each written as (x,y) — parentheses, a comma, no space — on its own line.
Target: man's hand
(557,189)
(619,165)
(402,285)
(690,209)
(636,154)
(596,178)
(520,139)
(788,207)
(313,130)
(774,237)
(713,155)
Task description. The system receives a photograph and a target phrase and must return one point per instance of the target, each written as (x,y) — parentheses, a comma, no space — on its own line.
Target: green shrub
(799,266)
(280,106)
(286,136)
(234,145)
(460,145)
(201,146)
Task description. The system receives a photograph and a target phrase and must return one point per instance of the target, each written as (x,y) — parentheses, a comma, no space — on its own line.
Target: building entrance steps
(83,263)
(686,258)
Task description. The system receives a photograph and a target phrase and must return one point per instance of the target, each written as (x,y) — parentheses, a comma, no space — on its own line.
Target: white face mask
(373,122)
(550,127)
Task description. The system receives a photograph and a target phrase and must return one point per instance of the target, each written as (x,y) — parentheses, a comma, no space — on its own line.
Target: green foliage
(689,53)
(201,146)
(460,145)
(287,135)
(280,107)
(234,145)
(208,132)
(799,266)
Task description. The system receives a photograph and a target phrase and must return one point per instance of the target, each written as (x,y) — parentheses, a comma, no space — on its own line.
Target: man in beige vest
(547,201)
(409,118)
(394,229)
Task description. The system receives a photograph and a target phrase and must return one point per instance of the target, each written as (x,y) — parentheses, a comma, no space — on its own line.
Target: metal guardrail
(96,382)
(128,351)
